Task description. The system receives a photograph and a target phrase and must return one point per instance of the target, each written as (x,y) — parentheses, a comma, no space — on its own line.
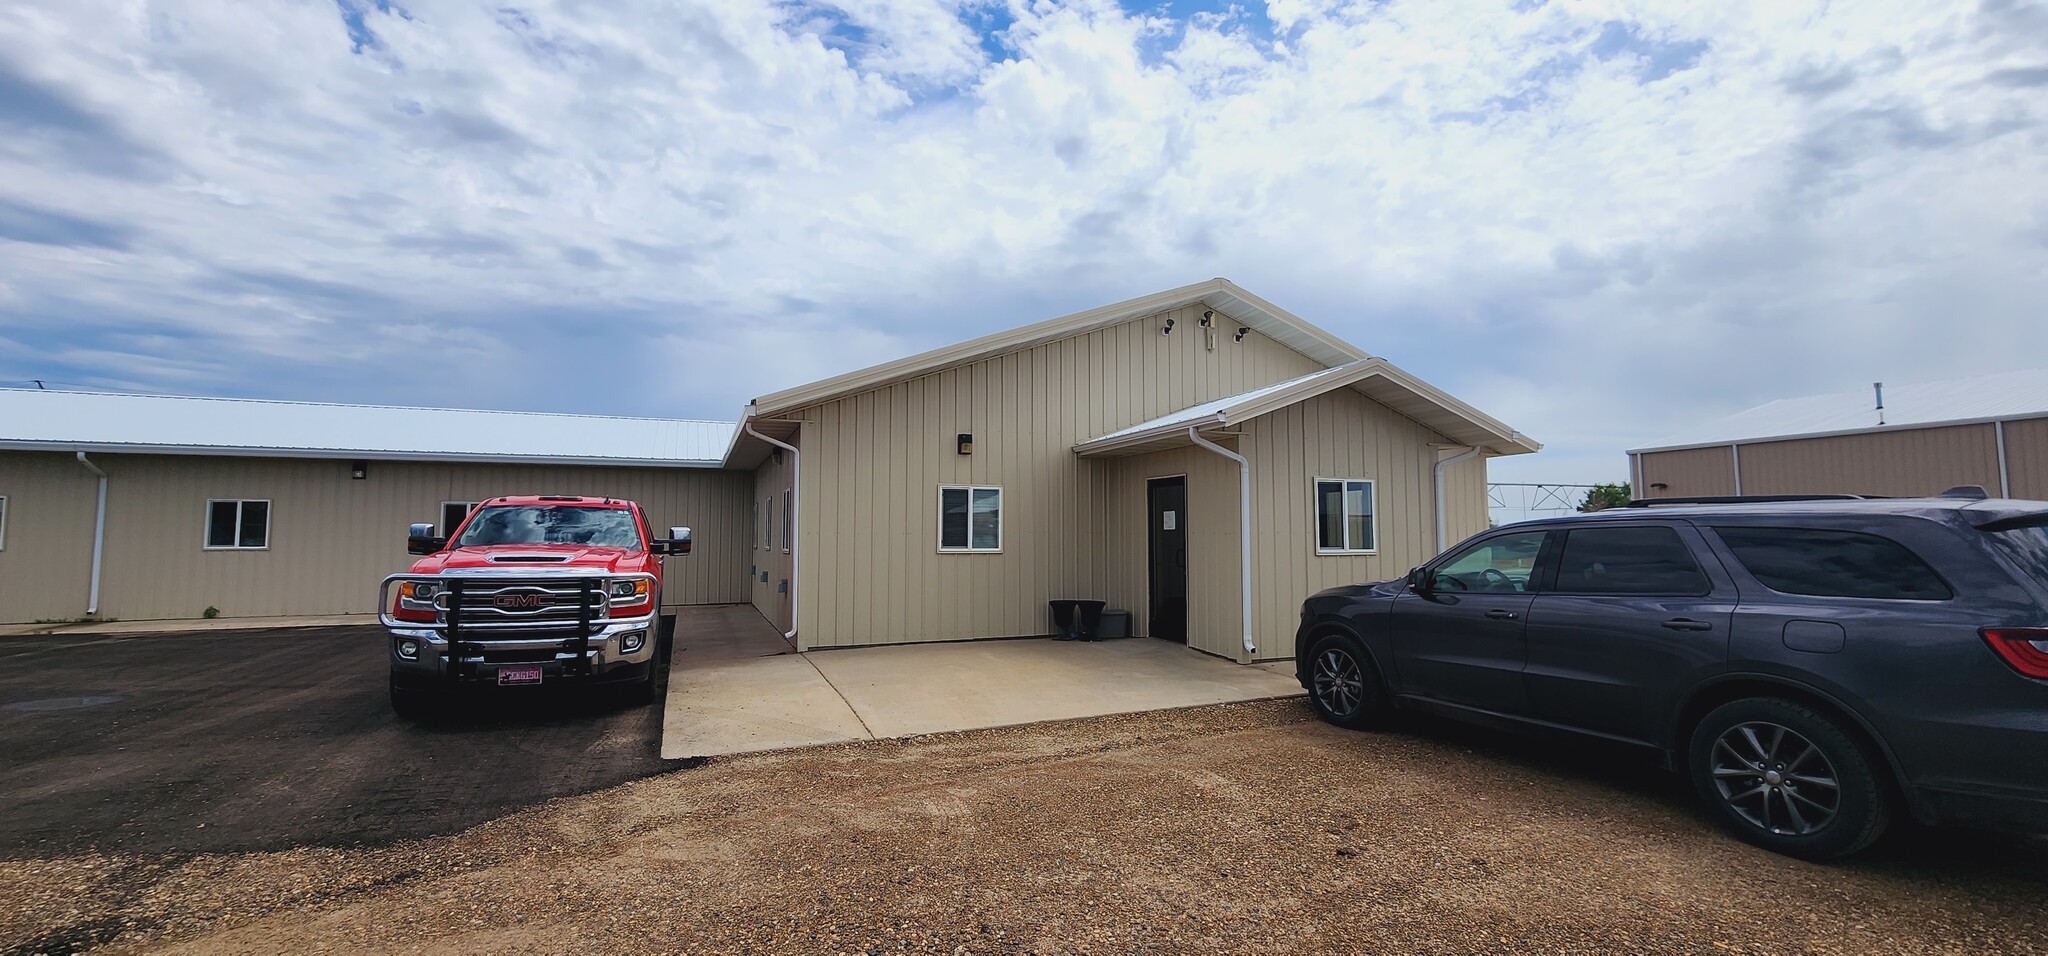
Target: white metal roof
(1979,398)
(1375,378)
(31,419)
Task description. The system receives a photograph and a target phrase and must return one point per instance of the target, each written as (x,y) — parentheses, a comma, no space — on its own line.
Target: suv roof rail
(1738,499)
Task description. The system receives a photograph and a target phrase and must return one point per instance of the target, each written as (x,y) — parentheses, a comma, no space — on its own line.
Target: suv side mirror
(677,542)
(421,539)
(1421,581)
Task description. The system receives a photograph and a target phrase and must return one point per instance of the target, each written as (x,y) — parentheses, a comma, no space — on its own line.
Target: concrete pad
(743,706)
(933,688)
(736,686)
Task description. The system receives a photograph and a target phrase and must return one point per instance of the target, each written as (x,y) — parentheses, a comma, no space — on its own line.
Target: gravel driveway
(1240,827)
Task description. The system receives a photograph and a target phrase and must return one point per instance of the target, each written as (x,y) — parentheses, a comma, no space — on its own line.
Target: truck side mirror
(677,542)
(421,539)
(1421,581)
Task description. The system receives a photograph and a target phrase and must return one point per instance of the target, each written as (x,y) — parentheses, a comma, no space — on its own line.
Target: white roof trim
(1373,377)
(1222,295)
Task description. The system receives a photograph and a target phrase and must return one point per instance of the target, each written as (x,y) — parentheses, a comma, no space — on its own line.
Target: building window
(1344,516)
(237,525)
(767,524)
(970,518)
(755,524)
(452,513)
(788,526)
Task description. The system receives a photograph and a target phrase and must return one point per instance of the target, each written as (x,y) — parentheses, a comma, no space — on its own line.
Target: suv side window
(1504,563)
(1827,563)
(1647,560)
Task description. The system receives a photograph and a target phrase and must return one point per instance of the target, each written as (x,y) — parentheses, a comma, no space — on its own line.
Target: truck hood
(538,557)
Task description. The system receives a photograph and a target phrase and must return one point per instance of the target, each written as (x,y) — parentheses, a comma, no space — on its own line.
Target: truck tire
(413,703)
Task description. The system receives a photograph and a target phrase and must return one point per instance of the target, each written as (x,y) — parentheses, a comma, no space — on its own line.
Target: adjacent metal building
(1198,456)
(1987,430)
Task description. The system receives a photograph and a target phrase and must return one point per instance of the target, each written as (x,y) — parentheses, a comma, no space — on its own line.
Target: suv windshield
(551,524)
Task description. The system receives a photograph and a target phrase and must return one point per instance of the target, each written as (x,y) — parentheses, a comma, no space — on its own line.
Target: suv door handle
(1501,614)
(1682,624)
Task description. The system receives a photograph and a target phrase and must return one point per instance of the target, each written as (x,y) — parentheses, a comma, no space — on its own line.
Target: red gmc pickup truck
(527,590)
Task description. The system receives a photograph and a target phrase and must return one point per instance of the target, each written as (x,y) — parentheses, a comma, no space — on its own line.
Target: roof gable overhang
(1374,378)
(1226,297)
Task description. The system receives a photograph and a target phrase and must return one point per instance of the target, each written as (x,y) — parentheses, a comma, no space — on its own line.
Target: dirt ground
(227,742)
(1239,828)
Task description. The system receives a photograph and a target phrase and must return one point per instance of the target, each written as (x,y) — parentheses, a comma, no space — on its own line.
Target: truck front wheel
(412,703)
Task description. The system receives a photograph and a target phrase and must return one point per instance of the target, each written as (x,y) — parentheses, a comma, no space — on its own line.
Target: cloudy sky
(1599,221)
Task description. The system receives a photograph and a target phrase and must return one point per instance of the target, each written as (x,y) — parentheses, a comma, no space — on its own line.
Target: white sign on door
(1170,516)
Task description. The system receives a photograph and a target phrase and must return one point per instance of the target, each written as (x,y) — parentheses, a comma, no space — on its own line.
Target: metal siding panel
(1027,410)
(2026,458)
(1693,472)
(46,557)
(1920,461)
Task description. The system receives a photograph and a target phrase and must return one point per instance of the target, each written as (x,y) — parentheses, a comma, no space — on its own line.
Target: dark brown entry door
(1167,537)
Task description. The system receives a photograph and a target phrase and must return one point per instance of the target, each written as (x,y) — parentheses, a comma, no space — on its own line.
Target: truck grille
(534,602)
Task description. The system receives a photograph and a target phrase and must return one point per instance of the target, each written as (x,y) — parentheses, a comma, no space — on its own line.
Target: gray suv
(1815,666)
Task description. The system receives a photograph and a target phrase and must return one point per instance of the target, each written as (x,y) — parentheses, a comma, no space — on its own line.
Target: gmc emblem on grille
(520,601)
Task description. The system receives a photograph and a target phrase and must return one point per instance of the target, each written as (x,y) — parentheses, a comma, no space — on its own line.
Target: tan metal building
(1988,430)
(1198,456)
(951,494)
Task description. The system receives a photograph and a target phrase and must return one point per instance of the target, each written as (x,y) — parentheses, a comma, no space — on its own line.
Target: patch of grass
(86,619)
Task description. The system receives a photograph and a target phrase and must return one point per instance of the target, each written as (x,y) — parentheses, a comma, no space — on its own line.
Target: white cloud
(1596,220)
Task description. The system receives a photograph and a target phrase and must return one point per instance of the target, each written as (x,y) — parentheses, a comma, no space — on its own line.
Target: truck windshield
(551,524)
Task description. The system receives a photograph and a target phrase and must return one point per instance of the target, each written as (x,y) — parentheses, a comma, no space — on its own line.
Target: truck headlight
(628,589)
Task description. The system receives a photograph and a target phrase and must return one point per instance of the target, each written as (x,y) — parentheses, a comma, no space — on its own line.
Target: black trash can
(1074,620)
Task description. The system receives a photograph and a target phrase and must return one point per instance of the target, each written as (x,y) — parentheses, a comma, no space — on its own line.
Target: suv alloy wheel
(1344,687)
(1788,778)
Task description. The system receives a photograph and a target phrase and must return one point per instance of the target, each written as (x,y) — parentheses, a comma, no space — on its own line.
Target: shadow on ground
(257,740)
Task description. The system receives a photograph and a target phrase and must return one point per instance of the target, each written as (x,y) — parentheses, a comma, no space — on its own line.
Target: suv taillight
(2025,648)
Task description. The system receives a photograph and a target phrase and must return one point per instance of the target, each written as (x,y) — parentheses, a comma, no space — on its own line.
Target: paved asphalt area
(255,740)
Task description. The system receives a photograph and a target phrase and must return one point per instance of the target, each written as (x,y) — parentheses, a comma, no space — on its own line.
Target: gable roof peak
(1219,293)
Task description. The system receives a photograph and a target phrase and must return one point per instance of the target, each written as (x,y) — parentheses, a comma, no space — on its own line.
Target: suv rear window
(1628,561)
(1826,563)
(2026,546)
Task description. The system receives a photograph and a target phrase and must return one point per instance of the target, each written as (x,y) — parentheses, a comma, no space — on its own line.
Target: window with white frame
(1344,516)
(452,513)
(237,524)
(756,525)
(788,526)
(970,518)
(768,524)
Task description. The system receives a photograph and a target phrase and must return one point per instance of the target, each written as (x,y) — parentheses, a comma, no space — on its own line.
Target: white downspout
(99,535)
(1443,525)
(1244,530)
(796,485)
(2004,481)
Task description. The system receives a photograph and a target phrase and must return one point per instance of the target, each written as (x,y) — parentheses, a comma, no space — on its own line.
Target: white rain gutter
(1244,529)
(796,486)
(1443,525)
(99,535)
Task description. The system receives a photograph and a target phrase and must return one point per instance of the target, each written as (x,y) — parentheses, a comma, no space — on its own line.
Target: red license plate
(518,675)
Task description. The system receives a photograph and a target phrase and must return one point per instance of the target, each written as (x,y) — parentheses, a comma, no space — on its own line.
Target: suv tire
(1343,685)
(1789,778)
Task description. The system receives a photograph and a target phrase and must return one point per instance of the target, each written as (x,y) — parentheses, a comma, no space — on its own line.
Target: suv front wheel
(1788,778)
(1343,686)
